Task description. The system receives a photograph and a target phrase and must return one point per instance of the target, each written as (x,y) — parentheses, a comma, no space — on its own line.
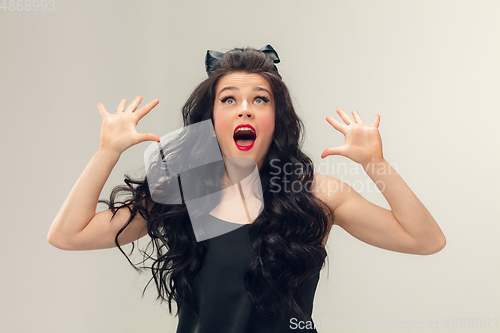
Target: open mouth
(244,137)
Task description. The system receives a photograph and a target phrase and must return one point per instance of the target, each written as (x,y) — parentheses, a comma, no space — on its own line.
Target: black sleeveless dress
(222,297)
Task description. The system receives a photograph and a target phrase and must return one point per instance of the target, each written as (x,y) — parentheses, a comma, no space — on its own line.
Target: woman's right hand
(118,132)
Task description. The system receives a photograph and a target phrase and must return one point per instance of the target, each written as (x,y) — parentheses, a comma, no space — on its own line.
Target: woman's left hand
(362,142)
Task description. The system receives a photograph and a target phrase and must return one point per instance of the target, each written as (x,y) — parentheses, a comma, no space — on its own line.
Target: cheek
(267,127)
(222,124)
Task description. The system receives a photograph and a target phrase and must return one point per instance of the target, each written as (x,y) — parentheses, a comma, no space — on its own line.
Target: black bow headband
(213,57)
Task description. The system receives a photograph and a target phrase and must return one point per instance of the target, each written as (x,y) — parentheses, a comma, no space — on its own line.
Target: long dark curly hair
(286,237)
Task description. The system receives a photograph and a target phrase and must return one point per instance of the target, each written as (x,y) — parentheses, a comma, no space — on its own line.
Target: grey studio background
(429,68)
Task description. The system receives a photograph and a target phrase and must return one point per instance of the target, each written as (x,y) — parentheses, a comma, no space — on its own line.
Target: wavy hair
(286,237)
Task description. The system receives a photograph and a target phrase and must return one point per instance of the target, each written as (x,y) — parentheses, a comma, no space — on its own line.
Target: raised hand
(118,130)
(362,142)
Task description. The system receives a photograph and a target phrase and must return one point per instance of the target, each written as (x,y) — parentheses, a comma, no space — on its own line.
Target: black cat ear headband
(212,58)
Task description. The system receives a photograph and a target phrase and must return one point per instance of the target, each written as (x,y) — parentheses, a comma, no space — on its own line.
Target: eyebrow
(236,88)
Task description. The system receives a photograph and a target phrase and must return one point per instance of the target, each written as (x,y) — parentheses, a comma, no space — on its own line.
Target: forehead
(243,80)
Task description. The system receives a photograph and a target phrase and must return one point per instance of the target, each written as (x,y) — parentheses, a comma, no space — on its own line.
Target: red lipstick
(245,147)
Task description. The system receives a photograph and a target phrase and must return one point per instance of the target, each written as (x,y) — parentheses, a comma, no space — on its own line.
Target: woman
(260,277)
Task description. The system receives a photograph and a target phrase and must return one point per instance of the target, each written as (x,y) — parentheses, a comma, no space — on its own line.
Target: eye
(226,98)
(263,98)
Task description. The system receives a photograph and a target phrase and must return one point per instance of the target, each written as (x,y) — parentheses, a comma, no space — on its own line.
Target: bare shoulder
(329,189)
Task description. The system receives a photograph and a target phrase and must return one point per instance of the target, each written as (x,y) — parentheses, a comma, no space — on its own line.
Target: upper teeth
(244,128)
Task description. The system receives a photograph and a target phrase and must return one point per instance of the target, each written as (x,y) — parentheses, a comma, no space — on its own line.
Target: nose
(245,112)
